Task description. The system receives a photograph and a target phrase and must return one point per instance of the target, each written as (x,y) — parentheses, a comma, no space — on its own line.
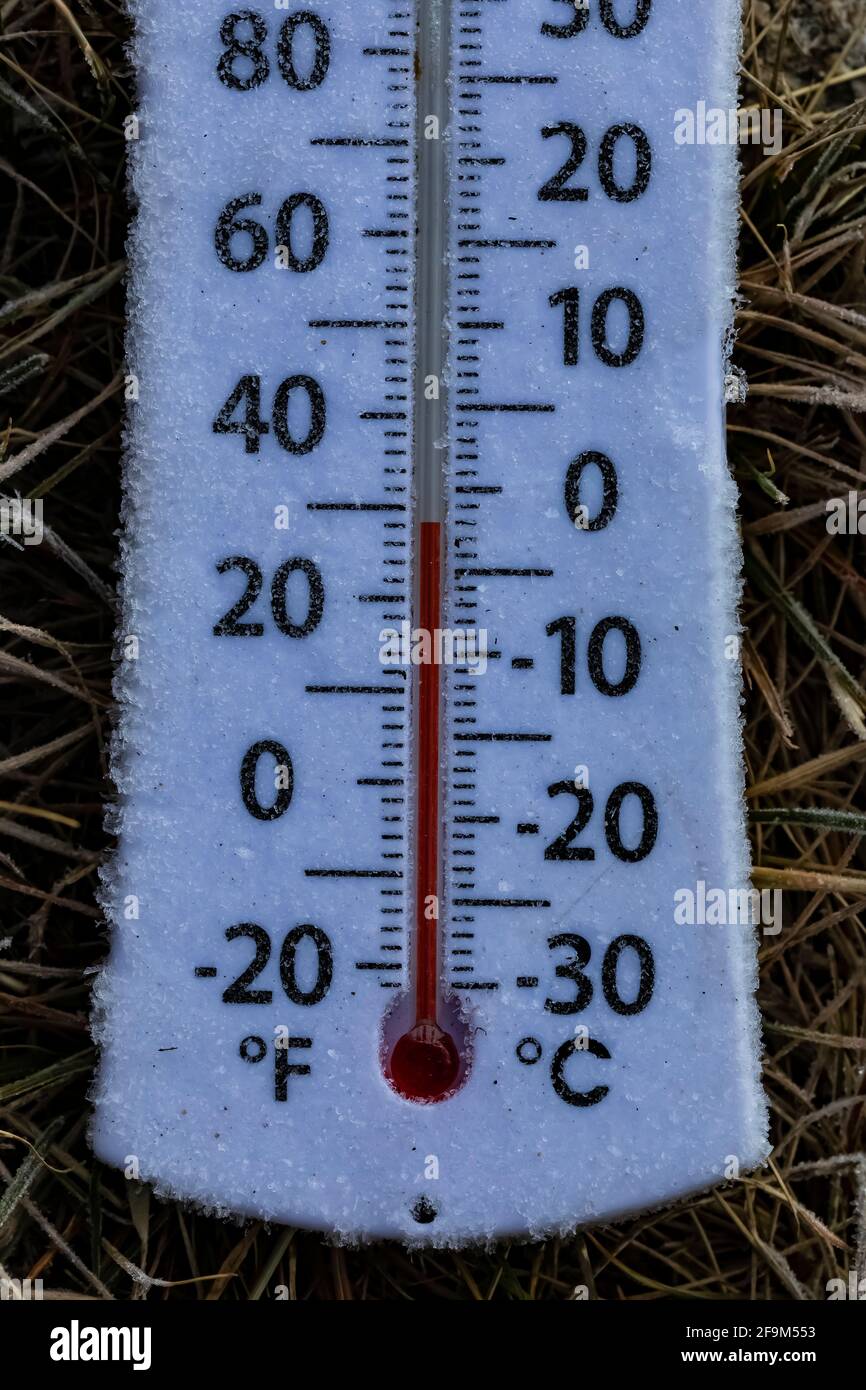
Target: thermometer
(429,680)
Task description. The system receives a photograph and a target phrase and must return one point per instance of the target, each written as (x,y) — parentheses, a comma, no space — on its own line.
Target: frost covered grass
(797,446)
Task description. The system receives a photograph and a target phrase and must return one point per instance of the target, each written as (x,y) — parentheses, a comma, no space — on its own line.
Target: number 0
(249,767)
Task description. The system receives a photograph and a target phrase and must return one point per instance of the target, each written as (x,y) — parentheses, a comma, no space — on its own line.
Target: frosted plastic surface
(506,1153)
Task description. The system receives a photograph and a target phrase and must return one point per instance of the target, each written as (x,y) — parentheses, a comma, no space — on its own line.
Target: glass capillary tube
(425,1063)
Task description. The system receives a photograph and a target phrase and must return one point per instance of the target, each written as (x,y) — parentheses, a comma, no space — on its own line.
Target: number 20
(562,847)
(557,188)
(239,992)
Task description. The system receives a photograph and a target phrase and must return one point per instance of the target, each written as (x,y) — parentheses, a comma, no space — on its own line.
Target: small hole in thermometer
(424,1211)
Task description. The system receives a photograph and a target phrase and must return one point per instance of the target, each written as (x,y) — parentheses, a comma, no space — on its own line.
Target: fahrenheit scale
(432,562)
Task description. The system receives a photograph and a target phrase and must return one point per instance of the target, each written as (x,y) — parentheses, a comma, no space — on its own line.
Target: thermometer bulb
(425,1064)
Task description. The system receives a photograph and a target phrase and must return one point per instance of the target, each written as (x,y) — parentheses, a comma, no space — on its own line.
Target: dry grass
(799,440)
